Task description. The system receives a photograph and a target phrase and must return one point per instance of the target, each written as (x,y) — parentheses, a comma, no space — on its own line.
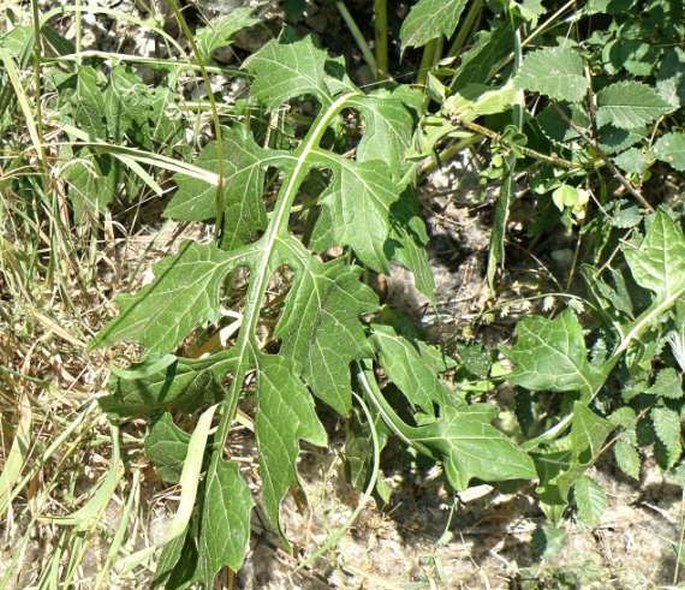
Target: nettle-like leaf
(627,458)
(550,355)
(588,433)
(668,384)
(591,500)
(320,331)
(388,127)
(430,19)
(556,72)
(243,169)
(633,161)
(629,105)
(668,431)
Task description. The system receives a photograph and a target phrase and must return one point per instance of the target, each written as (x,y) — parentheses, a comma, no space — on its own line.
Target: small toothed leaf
(167,383)
(670,148)
(667,428)
(627,458)
(668,384)
(591,500)
(629,105)
(589,431)
(556,72)
(632,161)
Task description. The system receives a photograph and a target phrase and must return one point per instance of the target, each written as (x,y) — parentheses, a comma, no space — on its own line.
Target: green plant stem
(431,163)
(37,60)
(78,24)
(544,26)
(403,431)
(245,346)
(465,29)
(606,161)
(219,200)
(380,11)
(358,36)
(430,51)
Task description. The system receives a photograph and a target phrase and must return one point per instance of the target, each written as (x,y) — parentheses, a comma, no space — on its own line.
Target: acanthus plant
(329,335)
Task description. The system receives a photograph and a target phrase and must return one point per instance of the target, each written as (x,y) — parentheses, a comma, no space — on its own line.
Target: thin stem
(37,60)
(466,28)
(78,23)
(380,10)
(543,27)
(219,199)
(427,61)
(494,136)
(358,36)
(431,163)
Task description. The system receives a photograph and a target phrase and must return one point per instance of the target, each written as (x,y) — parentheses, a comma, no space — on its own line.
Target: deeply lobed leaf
(551,355)
(184,295)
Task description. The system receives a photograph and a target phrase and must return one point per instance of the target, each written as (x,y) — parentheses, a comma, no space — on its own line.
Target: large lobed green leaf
(320,327)
(366,207)
(225,524)
(430,19)
(166,383)
(471,447)
(659,262)
(285,71)
(184,295)
(243,165)
(285,415)
(357,209)
(408,368)
(550,355)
